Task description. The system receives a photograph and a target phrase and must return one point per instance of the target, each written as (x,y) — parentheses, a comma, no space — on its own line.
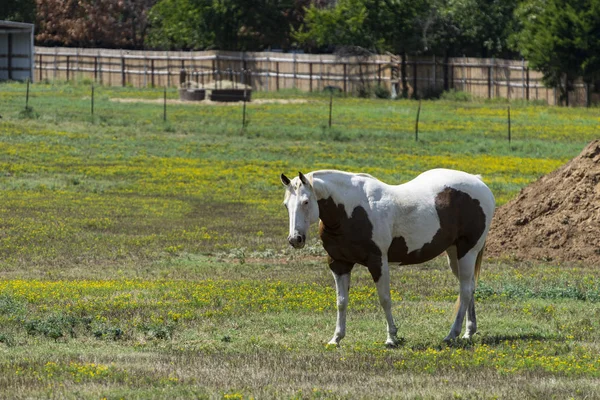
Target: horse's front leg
(381,276)
(341,273)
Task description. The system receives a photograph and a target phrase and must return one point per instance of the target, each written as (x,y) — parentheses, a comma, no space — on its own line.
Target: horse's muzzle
(297,241)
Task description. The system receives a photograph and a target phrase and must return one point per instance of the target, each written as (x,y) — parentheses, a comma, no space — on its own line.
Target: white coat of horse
(365,221)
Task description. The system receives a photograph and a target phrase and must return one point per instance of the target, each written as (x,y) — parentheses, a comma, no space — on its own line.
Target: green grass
(147,259)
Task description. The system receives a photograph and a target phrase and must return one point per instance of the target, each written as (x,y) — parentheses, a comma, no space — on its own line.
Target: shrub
(456,95)
(381,92)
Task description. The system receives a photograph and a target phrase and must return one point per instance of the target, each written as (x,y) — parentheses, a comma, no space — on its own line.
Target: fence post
(310,73)
(494,91)
(527,83)
(417,123)
(345,76)
(277,76)
(321,83)
(168,71)
(489,82)
(588,100)
(434,77)
(77,75)
(55,62)
(446,73)
(244,110)
(145,81)
(294,67)
(100,68)
(165,105)
(523,78)
(509,125)
(330,105)
(27,97)
(268,77)
(152,72)
(464,78)
(508,80)
(41,63)
(123,79)
(68,68)
(415,94)
(9,56)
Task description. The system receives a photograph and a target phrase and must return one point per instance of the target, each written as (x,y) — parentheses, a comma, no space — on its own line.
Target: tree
(342,25)
(18,10)
(225,24)
(377,25)
(473,27)
(560,38)
(93,23)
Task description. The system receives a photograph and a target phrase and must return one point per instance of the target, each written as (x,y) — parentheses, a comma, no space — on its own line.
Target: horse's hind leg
(471,317)
(466,276)
(381,276)
(452,254)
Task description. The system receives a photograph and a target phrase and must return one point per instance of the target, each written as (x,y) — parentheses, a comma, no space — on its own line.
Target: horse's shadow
(494,340)
(488,340)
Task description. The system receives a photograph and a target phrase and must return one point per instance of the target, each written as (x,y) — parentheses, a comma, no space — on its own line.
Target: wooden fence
(271,71)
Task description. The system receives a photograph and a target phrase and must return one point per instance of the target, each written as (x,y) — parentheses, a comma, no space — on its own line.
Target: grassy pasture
(147,259)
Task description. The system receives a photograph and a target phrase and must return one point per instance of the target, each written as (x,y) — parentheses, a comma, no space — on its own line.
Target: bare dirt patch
(555,218)
(208,102)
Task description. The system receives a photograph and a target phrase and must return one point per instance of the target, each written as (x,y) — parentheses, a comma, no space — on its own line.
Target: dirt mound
(555,218)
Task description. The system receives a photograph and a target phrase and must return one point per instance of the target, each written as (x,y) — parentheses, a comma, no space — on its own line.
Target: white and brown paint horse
(365,221)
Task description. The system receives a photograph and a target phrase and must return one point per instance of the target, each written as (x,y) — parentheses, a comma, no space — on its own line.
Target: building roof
(15,26)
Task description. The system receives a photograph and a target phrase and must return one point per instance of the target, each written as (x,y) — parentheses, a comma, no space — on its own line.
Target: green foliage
(382,92)
(560,38)
(54,326)
(224,25)
(342,25)
(18,10)
(161,331)
(179,24)
(472,27)
(456,95)
(391,25)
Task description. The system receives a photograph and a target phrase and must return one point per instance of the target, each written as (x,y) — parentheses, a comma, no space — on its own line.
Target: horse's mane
(335,171)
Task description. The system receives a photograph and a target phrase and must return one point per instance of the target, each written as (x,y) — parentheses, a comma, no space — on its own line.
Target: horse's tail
(477,271)
(478,263)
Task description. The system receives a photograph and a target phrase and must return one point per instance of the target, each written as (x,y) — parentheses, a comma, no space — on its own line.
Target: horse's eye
(305,202)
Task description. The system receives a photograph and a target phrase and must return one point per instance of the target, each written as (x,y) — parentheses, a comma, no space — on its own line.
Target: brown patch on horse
(462,222)
(348,241)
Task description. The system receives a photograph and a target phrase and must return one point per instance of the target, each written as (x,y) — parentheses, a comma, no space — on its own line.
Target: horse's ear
(303,178)
(285,180)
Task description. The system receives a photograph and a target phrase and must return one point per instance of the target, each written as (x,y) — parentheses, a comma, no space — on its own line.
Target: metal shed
(16,51)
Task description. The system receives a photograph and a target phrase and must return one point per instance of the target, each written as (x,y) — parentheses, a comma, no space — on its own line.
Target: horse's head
(303,209)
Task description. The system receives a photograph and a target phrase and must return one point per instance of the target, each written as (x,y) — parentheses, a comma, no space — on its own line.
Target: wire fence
(161,96)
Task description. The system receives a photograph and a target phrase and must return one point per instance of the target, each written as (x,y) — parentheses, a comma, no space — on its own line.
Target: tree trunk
(403,75)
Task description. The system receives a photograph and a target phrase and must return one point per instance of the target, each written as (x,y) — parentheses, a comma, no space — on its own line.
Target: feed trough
(231,95)
(192,94)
